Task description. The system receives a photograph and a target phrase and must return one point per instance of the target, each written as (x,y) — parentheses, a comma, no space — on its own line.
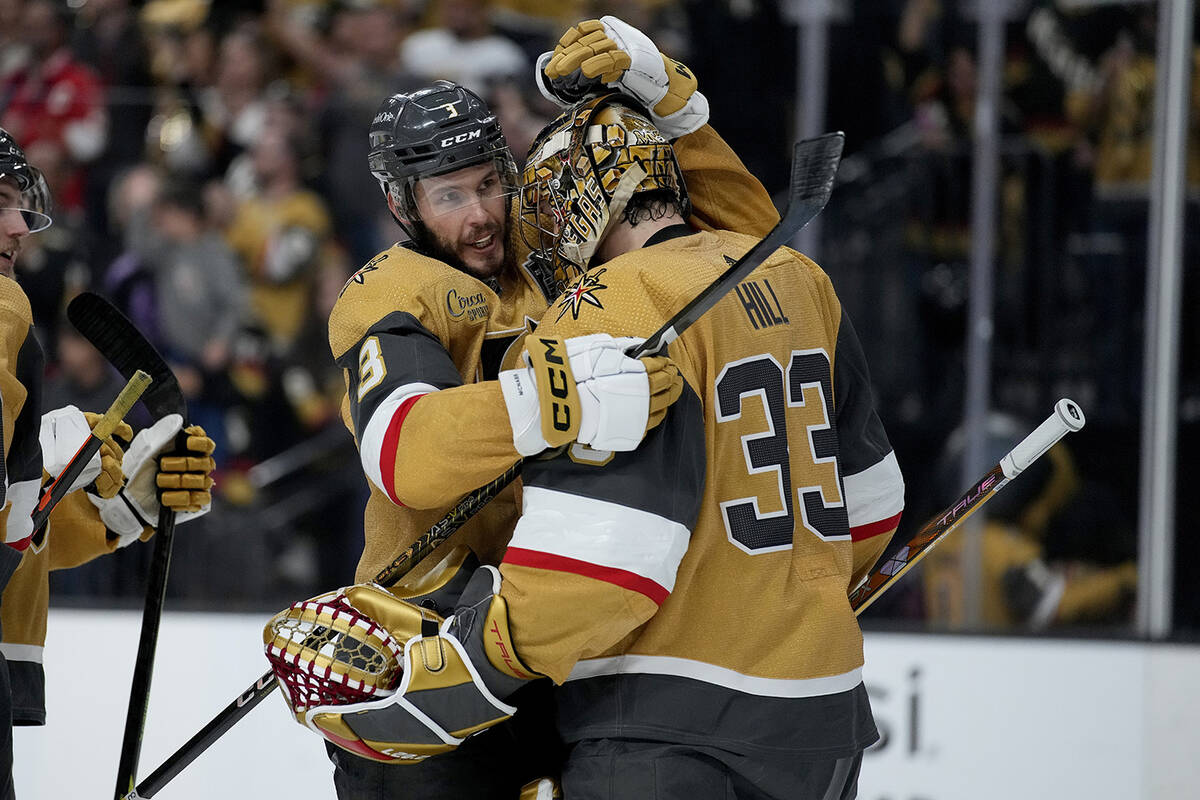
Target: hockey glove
(585,389)
(609,53)
(62,432)
(390,681)
(159,471)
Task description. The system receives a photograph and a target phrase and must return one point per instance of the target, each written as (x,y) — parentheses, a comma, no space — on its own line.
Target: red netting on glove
(324,652)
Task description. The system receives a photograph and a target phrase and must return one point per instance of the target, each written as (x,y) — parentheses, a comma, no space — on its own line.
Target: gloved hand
(585,389)
(391,681)
(63,431)
(609,53)
(161,470)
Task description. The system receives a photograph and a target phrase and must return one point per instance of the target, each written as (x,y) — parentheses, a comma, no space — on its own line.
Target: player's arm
(425,439)
(21,366)
(871,475)
(606,54)
(594,556)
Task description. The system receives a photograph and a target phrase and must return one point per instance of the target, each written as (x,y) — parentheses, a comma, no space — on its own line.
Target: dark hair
(184,194)
(650,206)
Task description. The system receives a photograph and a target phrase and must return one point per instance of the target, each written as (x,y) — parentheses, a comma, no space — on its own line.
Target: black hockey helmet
(35,195)
(433,131)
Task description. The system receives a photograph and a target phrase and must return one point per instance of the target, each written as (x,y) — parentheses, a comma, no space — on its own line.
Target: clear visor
(35,221)
(451,193)
(35,202)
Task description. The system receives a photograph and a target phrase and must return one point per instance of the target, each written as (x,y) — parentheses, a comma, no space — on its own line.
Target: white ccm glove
(136,506)
(611,53)
(585,389)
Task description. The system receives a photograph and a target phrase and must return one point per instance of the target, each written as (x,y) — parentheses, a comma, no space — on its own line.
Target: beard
(445,251)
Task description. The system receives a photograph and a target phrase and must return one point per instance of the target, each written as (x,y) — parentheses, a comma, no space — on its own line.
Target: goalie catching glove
(607,52)
(585,389)
(391,681)
(164,467)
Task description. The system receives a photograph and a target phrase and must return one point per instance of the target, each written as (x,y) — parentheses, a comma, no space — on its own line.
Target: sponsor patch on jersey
(360,277)
(472,306)
(583,292)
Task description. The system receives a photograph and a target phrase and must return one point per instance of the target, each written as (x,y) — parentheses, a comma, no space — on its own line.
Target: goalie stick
(1067,417)
(814,167)
(91,445)
(124,346)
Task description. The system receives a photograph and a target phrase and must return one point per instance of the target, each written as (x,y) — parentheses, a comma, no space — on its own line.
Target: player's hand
(587,390)
(597,55)
(62,432)
(164,467)
(184,479)
(111,478)
(414,682)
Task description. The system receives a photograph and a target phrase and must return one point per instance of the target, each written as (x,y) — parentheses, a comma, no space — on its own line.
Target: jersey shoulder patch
(440,297)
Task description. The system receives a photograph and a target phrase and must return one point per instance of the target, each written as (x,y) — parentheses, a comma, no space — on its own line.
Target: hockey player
(689,596)
(112,513)
(421,331)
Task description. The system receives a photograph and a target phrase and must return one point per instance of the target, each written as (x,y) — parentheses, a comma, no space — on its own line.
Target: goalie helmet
(35,195)
(581,171)
(429,132)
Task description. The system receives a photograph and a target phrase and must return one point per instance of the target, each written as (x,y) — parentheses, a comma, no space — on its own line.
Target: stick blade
(814,168)
(127,349)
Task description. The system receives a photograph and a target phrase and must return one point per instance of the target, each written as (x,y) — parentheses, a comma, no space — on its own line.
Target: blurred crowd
(208,164)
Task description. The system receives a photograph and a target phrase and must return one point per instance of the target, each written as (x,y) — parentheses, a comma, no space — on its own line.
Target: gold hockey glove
(391,681)
(608,53)
(585,389)
(182,479)
(111,478)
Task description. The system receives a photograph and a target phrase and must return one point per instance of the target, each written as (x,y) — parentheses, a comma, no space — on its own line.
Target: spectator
(463,48)
(201,300)
(108,40)
(281,235)
(355,63)
(55,99)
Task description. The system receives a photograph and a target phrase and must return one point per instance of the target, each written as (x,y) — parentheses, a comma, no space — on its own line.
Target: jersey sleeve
(724,195)
(871,477)
(20,394)
(424,438)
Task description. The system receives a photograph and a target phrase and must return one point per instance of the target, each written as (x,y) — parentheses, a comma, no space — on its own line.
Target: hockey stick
(91,445)
(814,167)
(1067,417)
(265,685)
(127,349)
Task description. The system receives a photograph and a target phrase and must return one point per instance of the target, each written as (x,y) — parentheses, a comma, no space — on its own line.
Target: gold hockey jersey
(74,533)
(415,337)
(695,590)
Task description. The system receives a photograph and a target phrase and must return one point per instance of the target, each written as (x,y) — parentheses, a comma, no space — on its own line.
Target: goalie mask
(432,132)
(35,195)
(581,171)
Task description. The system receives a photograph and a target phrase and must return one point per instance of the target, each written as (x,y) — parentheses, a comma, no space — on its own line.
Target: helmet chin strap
(582,253)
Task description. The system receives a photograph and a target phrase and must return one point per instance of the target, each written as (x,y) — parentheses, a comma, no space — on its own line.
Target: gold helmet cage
(581,171)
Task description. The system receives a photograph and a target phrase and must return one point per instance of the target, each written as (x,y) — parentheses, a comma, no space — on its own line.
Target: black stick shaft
(258,691)
(143,672)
